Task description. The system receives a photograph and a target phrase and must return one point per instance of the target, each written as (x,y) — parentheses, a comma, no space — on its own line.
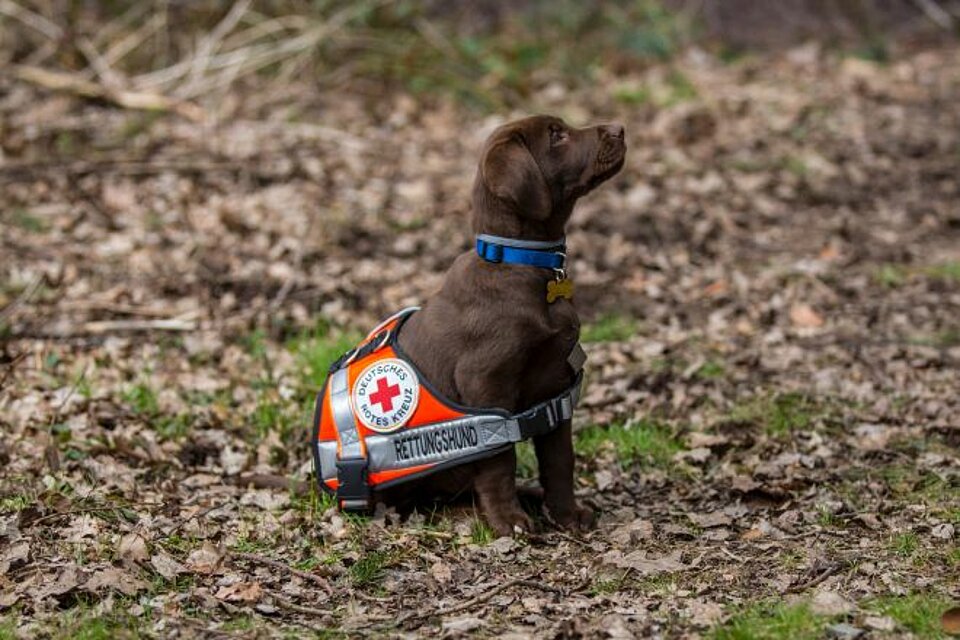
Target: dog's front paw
(509,522)
(574,518)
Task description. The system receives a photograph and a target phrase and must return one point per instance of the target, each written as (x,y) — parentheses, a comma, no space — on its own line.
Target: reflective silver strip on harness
(353,490)
(441,442)
(343,416)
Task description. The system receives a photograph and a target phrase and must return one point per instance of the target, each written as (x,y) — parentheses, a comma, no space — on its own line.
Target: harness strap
(547,416)
(353,490)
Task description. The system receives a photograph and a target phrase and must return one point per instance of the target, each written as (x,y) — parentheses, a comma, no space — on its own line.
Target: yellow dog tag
(559,289)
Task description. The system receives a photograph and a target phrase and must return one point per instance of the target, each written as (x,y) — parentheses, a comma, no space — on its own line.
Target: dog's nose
(612,130)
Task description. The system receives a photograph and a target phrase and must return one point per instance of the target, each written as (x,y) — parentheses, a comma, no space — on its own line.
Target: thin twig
(10,367)
(119,49)
(282,566)
(74,512)
(298,608)
(527,581)
(23,298)
(823,575)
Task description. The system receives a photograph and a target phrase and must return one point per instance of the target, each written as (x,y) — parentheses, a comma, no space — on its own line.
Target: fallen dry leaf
(708,520)
(204,560)
(441,572)
(247,592)
(113,578)
(16,555)
(166,566)
(803,316)
(644,564)
(133,548)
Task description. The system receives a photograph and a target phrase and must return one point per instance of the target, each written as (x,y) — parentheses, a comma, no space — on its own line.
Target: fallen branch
(119,326)
(59,81)
(33,20)
(937,14)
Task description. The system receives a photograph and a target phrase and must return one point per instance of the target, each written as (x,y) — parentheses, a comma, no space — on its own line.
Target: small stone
(880,623)
(844,631)
(830,603)
(943,531)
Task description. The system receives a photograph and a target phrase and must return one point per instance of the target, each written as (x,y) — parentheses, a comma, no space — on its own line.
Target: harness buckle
(560,273)
(492,252)
(353,491)
(538,421)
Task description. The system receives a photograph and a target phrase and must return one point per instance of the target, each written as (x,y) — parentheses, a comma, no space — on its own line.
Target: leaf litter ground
(770,427)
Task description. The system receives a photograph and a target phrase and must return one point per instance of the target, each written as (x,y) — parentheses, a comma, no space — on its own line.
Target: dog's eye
(557,135)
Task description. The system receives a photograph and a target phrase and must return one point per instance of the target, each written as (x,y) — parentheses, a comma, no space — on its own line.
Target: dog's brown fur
(489,338)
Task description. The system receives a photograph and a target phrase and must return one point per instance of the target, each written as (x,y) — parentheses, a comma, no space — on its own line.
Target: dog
(501,334)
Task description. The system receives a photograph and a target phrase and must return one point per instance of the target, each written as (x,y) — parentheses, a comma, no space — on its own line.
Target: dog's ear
(511,174)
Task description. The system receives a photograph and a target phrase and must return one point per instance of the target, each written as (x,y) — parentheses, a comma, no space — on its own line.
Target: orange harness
(378,422)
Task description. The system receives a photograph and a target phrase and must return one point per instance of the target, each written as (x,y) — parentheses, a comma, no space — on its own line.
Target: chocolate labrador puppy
(490,338)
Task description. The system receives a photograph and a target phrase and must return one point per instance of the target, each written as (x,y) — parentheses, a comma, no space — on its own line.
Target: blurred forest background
(202,204)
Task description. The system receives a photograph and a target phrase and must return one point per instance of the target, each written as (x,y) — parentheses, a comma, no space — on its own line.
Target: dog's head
(533,170)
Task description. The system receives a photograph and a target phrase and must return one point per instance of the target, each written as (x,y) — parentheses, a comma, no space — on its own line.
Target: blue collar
(536,253)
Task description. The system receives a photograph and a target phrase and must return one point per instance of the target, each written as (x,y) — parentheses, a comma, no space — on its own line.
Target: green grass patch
(608,584)
(946,271)
(312,505)
(633,94)
(773,621)
(680,89)
(711,370)
(891,275)
(825,517)
(906,482)
(315,350)
(142,399)
(796,165)
(609,328)
(14,504)
(895,275)
(83,622)
(526,460)
(779,414)
(8,629)
(481,533)
(369,568)
(240,623)
(647,443)
(23,219)
(919,613)
(953,557)
(904,544)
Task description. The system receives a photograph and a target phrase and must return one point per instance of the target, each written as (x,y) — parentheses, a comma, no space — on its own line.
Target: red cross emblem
(385,394)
